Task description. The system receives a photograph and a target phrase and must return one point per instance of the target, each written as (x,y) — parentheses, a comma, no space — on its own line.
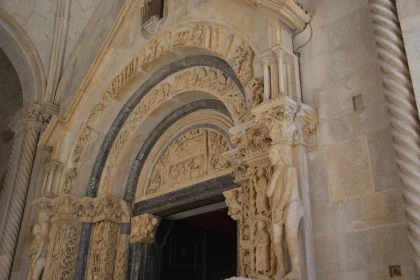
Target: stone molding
(86,209)
(29,122)
(289,11)
(144,228)
(53,170)
(402,110)
(29,51)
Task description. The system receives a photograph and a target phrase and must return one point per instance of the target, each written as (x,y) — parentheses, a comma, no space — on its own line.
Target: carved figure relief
(242,62)
(263,248)
(38,250)
(143,228)
(195,156)
(233,200)
(286,209)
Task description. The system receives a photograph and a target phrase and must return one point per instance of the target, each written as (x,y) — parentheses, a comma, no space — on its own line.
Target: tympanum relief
(193,157)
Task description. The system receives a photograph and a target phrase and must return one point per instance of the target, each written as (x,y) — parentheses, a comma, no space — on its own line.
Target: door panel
(182,253)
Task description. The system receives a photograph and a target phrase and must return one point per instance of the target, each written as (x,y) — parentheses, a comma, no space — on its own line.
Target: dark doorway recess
(200,247)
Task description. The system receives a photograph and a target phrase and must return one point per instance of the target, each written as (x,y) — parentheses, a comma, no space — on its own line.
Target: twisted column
(405,125)
(29,119)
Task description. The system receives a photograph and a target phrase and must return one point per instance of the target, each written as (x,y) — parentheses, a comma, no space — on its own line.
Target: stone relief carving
(233,200)
(143,228)
(286,208)
(270,206)
(103,250)
(85,209)
(199,35)
(38,249)
(62,255)
(195,156)
(121,260)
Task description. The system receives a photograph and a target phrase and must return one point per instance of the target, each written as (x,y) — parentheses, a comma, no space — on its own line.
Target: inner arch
(152,81)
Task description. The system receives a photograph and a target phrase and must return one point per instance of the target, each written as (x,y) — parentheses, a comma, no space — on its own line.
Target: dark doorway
(200,247)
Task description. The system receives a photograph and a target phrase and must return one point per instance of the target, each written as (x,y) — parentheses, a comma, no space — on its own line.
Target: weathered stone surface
(348,169)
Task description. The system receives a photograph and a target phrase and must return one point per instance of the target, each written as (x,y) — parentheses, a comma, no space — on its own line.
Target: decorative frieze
(215,38)
(233,201)
(86,209)
(143,228)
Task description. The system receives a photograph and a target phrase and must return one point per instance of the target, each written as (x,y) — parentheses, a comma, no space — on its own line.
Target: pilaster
(67,214)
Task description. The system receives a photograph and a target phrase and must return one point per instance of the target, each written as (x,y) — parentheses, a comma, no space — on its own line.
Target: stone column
(28,122)
(404,117)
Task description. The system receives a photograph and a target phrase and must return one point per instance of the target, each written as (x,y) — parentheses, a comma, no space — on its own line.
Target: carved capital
(143,228)
(233,200)
(85,209)
(288,122)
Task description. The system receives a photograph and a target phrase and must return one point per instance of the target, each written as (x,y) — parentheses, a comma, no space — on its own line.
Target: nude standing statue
(286,209)
(38,253)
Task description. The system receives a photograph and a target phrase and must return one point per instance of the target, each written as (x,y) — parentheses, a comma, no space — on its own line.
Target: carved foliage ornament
(143,228)
(103,250)
(193,157)
(85,209)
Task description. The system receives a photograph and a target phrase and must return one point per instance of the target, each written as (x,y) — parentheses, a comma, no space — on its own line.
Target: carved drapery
(277,125)
(144,228)
(30,121)
(67,213)
(404,117)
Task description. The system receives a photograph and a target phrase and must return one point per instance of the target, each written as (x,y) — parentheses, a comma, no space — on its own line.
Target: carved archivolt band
(17,202)
(405,126)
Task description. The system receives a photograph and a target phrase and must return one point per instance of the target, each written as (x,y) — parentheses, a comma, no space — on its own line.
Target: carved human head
(36,229)
(260,171)
(280,153)
(261,225)
(155,221)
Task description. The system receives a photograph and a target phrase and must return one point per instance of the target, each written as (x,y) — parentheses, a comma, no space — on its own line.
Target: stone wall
(359,223)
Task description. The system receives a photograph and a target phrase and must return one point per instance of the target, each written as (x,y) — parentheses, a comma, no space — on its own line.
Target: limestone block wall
(357,209)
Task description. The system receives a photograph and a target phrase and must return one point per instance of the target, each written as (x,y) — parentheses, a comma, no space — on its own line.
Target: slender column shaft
(404,119)
(16,204)
(266,80)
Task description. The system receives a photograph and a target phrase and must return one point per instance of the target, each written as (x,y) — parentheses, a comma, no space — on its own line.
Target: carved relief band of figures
(268,204)
(199,78)
(213,37)
(64,215)
(193,157)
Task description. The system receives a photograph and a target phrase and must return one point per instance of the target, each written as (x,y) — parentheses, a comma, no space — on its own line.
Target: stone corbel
(233,201)
(144,228)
